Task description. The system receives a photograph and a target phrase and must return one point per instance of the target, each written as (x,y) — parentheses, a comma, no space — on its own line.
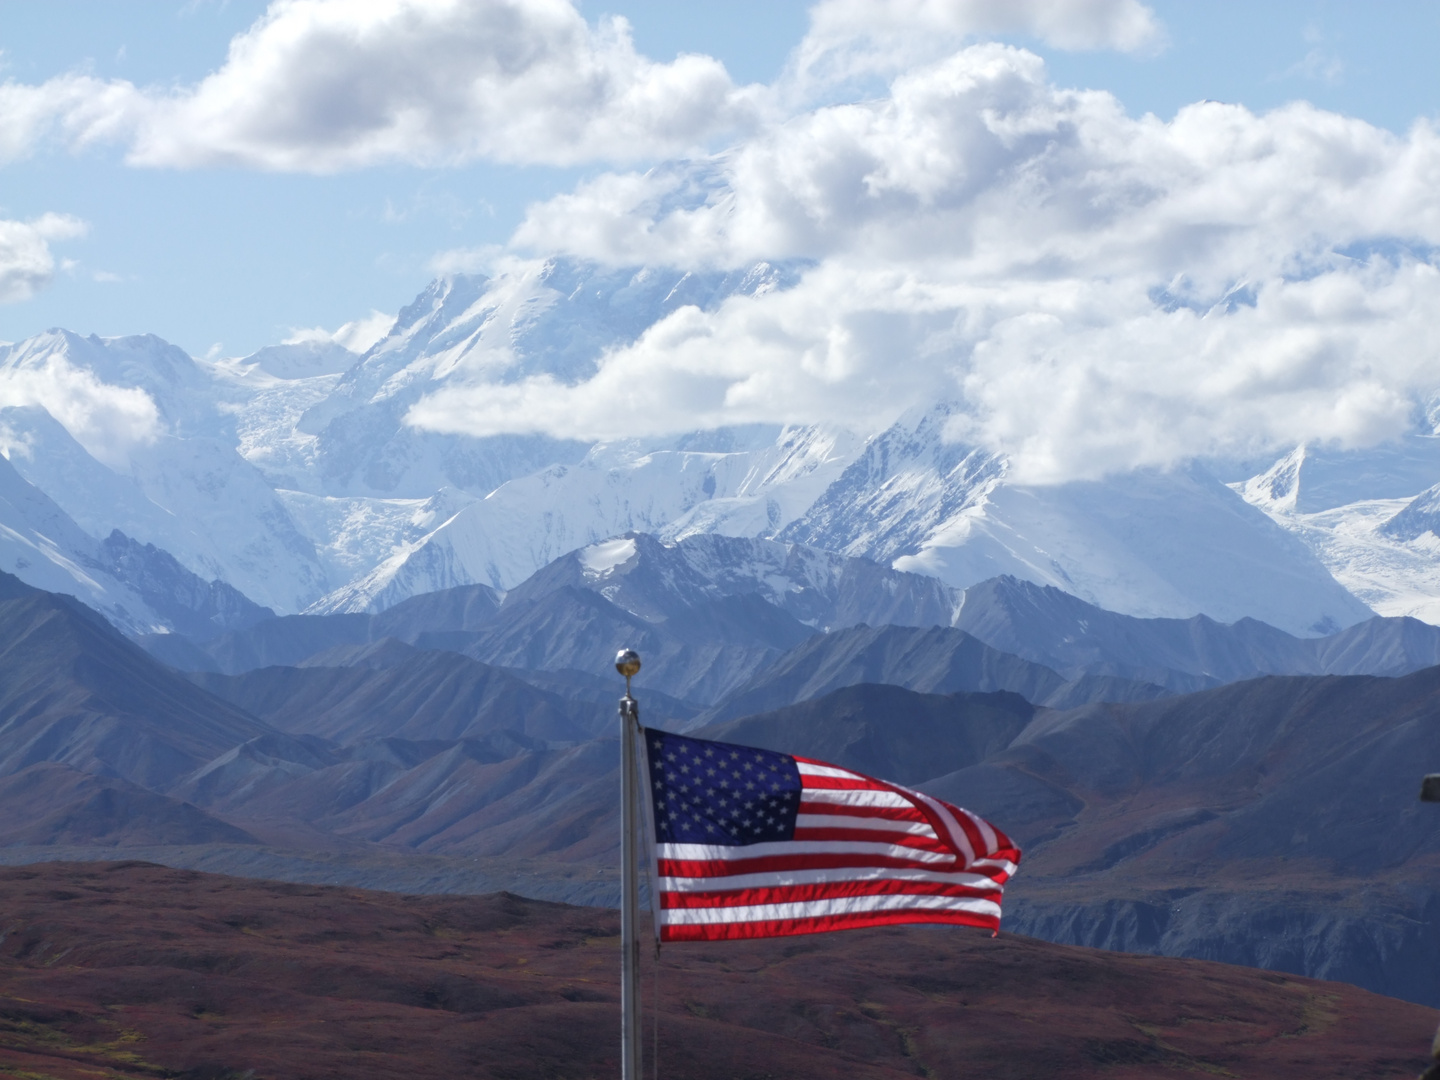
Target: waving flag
(751,843)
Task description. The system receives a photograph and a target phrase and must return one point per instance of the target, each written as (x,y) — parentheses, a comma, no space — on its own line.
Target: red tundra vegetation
(134,970)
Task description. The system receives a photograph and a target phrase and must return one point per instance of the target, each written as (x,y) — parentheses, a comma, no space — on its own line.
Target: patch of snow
(600,559)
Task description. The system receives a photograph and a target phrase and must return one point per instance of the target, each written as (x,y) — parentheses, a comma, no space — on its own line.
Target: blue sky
(230,259)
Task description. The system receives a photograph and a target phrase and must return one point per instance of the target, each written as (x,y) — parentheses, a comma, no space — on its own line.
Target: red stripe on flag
(788,927)
(889,813)
(841,835)
(840,783)
(708,868)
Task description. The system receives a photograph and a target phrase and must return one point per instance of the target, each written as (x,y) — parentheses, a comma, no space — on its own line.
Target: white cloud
(325,85)
(26,261)
(855,38)
(1100,291)
(109,421)
(77,109)
(476,260)
(844,348)
(1126,25)
(357,335)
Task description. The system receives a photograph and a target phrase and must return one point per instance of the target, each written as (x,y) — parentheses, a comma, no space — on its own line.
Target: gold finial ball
(627,662)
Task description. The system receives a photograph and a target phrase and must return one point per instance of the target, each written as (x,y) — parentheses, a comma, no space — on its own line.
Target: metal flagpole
(1430,792)
(628,663)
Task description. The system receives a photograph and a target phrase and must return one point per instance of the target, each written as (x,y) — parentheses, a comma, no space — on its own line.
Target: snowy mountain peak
(1420,516)
(553,317)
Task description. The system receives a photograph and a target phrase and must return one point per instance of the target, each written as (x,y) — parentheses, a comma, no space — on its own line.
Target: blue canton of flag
(716,793)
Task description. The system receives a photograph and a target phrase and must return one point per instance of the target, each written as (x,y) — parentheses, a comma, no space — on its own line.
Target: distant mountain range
(1267,821)
(293,478)
(713,616)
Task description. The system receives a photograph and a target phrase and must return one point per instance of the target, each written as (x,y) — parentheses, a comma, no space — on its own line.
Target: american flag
(751,843)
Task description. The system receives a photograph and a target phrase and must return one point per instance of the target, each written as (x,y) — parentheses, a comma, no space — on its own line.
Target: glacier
(1368,515)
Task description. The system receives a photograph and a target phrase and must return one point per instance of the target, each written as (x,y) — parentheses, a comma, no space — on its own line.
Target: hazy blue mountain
(661,580)
(939,660)
(1052,627)
(425,696)
(716,646)
(53,804)
(73,690)
(190,605)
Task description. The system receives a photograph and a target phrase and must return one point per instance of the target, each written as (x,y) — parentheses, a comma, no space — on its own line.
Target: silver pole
(628,663)
(1430,792)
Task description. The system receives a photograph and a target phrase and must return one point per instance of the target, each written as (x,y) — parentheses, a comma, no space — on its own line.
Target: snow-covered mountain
(137,586)
(745,483)
(1369,516)
(172,475)
(293,476)
(664,580)
(1146,543)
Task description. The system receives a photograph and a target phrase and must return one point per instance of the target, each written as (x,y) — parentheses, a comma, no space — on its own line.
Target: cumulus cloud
(324,85)
(850,38)
(77,109)
(109,421)
(1126,25)
(842,349)
(26,261)
(1098,291)
(327,85)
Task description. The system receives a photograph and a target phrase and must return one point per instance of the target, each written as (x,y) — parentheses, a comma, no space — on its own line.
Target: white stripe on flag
(854,797)
(822,877)
(806,769)
(814,909)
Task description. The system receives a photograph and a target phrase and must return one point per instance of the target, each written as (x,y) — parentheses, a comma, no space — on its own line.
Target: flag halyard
(753,843)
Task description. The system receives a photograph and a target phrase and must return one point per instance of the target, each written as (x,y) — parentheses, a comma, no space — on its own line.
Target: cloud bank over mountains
(1098,291)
